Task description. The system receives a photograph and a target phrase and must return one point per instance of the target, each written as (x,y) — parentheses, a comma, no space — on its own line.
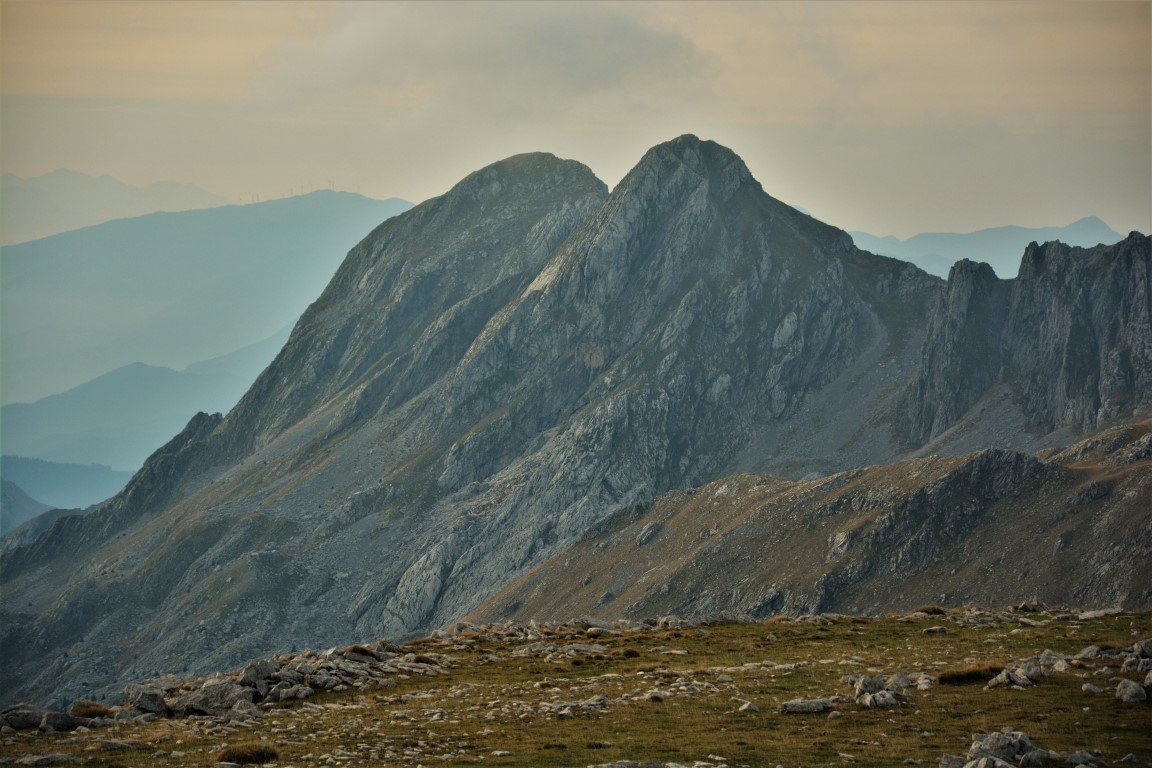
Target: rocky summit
(498,371)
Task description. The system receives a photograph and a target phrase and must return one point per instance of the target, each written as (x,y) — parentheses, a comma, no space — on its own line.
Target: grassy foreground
(499,709)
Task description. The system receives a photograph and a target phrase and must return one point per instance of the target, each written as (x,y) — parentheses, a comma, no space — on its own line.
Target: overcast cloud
(893,118)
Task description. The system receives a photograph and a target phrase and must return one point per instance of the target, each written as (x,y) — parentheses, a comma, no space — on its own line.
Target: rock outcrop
(995,525)
(1070,339)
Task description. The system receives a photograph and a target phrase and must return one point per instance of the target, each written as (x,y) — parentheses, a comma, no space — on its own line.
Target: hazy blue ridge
(65,486)
(1001,247)
(168,289)
(64,200)
(118,419)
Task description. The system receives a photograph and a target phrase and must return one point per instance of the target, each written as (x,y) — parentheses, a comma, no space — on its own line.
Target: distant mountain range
(64,486)
(64,200)
(120,418)
(16,506)
(490,378)
(168,289)
(936,252)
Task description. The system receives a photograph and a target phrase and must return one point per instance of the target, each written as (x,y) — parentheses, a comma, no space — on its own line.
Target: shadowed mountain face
(1069,341)
(875,539)
(486,377)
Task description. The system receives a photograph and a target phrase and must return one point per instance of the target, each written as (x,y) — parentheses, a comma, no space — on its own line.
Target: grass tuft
(249,754)
(931,610)
(89,709)
(974,673)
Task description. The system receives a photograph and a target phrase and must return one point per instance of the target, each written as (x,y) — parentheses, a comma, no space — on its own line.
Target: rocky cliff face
(991,527)
(486,378)
(1070,338)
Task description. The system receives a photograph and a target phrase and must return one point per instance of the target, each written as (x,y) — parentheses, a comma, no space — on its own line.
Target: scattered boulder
(805,706)
(1005,744)
(23,716)
(61,721)
(257,672)
(58,759)
(214,698)
(1130,692)
(1040,757)
(988,762)
(144,698)
(878,700)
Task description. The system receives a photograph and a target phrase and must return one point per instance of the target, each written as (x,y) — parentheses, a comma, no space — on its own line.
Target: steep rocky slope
(486,377)
(1069,340)
(1073,527)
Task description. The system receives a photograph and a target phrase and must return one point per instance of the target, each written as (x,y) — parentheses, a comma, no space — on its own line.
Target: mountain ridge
(485,378)
(63,200)
(1000,247)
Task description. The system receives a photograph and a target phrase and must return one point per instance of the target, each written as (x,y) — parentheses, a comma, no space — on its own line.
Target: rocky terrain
(1030,686)
(494,373)
(1072,523)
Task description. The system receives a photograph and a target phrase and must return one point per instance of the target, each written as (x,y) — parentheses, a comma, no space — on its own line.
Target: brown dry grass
(89,709)
(931,610)
(249,754)
(1056,713)
(973,673)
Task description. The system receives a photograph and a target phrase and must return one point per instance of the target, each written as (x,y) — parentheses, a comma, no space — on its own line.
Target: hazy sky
(892,118)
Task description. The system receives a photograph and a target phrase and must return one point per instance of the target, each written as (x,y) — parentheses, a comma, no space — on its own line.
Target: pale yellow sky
(889,117)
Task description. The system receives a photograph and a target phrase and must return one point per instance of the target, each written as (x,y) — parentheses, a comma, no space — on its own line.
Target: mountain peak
(701,155)
(528,170)
(689,158)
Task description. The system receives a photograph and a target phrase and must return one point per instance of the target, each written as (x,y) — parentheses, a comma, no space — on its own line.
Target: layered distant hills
(1000,247)
(168,289)
(120,418)
(16,506)
(490,378)
(64,200)
(63,486)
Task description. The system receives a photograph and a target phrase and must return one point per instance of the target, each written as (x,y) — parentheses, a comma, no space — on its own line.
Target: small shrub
(89,709)
(931,610)
(249,754)
(974,673)
(631,653)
